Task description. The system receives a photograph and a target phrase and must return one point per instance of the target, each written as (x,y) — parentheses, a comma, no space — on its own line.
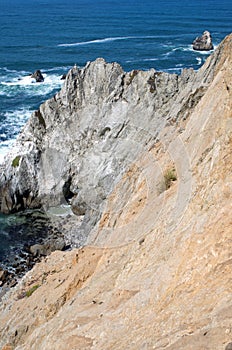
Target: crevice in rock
(104,131)
(68,194)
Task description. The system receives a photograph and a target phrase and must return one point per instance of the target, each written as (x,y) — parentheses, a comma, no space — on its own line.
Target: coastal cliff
(79,143)
(145,159)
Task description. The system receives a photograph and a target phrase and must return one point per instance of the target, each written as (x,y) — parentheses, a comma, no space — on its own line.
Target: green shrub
(15,161)
(169,177)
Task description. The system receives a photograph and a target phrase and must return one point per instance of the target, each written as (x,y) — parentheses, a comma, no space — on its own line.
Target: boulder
(55,244)
(37,75)
(203,43)
(38,250)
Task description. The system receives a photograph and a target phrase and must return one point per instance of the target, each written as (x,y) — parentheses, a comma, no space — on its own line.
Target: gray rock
(203,43)
(37,75)
(79,143)
(49,246)
(38,250)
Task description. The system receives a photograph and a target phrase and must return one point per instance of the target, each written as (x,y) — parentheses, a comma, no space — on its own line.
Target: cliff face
(80,143)
(146,156)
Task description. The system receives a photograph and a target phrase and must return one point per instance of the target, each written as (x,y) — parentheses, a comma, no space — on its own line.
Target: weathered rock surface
(157,271)
(78,145)
(203,43)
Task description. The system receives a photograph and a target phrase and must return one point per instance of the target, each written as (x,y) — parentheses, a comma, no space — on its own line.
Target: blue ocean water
(53,35)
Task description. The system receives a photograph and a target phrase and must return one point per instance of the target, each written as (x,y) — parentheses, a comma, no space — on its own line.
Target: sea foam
(29,86)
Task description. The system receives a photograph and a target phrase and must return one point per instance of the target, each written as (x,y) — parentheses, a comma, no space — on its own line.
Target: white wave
(150,59)
(61,68)
(131,61)
(143,60)
(183,48)
(13,122)
(20,81)
(20,114)
(4,149)
(28,81)
(98,41)
(205,52)
(13,71)
(52,79)
(165,55)
(29,86)
(11,75)
(190,48)
(199,60)
(105,40)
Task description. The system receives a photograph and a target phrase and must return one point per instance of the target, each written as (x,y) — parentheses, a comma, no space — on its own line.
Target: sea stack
(37,75)
(203,43)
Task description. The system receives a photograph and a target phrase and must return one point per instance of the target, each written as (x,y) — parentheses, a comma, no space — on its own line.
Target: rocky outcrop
(79,144)
(157,271)
(38,76)
(203,43)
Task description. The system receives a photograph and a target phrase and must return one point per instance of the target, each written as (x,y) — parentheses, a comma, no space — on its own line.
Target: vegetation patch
(169,177)
(15,161)
(32,290)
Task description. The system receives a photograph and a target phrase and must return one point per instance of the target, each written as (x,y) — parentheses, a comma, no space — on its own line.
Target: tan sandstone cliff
(157,270)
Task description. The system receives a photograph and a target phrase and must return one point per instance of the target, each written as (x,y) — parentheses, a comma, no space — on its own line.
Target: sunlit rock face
(78,145)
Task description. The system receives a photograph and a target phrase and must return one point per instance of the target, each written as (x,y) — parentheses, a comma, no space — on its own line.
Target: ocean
(53,35)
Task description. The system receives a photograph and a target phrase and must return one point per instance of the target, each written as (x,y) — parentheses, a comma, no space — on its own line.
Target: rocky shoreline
(34,235)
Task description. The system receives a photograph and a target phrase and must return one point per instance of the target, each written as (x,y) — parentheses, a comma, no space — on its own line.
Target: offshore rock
(203,43)
(37,75)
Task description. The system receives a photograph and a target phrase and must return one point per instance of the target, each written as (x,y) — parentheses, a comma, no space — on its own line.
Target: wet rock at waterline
(203,43)
(38,76)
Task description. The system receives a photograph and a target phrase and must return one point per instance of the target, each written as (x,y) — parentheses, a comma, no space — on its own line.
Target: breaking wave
(111,39)
(27,85)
